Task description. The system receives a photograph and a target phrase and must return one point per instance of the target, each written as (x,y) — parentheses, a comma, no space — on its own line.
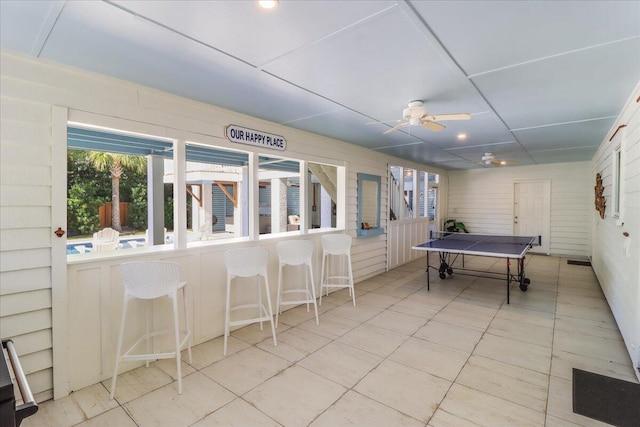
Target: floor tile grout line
(466,361)
(553,337)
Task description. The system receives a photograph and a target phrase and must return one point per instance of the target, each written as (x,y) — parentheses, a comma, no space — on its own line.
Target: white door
(532,211)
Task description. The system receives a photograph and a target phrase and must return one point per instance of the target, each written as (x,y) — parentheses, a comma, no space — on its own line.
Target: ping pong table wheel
(450,271)
(526,281)
(524,287)
(442,275)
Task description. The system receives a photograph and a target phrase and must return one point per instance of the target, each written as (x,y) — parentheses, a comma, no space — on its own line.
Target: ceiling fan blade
(395,128)
(432,126)
(457,116)
(385,121)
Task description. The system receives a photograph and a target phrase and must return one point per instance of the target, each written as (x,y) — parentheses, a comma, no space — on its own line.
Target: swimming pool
(85,246)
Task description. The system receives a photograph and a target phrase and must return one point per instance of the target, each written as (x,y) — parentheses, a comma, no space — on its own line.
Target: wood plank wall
(25,227)
(483,200)
(616,258)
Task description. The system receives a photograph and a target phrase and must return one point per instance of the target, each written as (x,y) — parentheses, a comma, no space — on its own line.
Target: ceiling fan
(416,115)
(489,159)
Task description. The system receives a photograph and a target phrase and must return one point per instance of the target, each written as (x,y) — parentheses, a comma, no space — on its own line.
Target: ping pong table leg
(508,278)
(524,282)
(428,267)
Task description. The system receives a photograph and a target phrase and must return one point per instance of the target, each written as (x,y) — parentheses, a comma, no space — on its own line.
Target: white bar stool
(248,262)
(337,245)
(149,281)
(296,253)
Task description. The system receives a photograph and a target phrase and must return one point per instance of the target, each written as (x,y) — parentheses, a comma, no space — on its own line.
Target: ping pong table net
(489,238)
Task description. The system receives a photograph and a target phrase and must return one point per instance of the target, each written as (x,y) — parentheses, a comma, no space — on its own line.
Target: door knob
(59,232)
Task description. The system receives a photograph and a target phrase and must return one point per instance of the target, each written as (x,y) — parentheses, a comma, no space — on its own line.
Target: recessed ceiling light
(462,136)
(268,4)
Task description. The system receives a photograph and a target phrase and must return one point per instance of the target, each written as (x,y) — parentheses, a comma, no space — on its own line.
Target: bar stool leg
(279,295)
(227,315)
(352,289)
(322,276)
(119,348)
(273,329)
(260,304)
(176,334)
(313,293)
(147,323)
(186,323)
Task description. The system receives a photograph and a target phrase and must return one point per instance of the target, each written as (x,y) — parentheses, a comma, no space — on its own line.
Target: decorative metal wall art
(601,202)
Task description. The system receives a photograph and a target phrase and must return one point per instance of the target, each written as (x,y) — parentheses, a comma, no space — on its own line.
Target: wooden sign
(241,135)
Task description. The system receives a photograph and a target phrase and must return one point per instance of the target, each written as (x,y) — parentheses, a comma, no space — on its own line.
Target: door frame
(59,298)
(546,221)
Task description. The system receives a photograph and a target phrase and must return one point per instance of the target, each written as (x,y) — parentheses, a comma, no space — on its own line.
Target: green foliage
(138,208)
(82,209)
(89,187)
(168,213)
(81,172)
(130,182)
(87,190)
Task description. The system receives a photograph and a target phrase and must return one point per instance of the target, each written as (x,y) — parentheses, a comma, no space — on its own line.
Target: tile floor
(455,356)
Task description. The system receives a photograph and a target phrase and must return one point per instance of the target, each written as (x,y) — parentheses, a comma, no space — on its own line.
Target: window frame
(617,182)
(122,127)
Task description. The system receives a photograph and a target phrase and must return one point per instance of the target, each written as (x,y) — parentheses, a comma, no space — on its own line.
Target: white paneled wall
(483,200)
(95,287)
(25,227)
(615,257)
(401,236)
(30,90)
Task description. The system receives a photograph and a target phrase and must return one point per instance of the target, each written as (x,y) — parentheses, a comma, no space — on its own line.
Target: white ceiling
(543,80)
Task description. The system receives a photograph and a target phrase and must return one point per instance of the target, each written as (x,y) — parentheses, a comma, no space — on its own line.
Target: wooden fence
(105,214)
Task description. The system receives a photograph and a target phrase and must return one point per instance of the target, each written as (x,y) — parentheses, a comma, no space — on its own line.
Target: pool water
(72,248)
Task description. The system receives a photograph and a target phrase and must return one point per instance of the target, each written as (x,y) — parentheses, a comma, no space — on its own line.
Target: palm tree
(116,164)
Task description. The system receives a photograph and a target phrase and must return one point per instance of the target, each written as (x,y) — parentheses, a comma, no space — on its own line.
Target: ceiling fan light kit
(489,159)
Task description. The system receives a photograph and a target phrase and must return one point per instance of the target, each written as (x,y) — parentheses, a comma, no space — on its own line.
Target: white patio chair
(337,246)
(149,281)
(296,253)
(248,262)
(106,239)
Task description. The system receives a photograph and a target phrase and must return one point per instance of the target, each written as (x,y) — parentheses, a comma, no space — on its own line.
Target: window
(323,196)
(110,180)
(214,181)
(422,185)
(406,193)
(432,198)
(292,195)
(395,192)
(409,186)
(617,180)
(278,194)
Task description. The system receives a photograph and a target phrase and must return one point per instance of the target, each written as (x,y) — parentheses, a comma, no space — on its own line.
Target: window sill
(370,232)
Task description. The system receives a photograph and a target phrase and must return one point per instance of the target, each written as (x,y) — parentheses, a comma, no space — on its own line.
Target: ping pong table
(451,245)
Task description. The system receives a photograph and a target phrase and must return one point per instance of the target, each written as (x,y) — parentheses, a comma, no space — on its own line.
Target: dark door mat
(573,262)
(606,399)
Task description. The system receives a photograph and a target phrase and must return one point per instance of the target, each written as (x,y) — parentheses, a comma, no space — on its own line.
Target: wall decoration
(257,138)
(601,202)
